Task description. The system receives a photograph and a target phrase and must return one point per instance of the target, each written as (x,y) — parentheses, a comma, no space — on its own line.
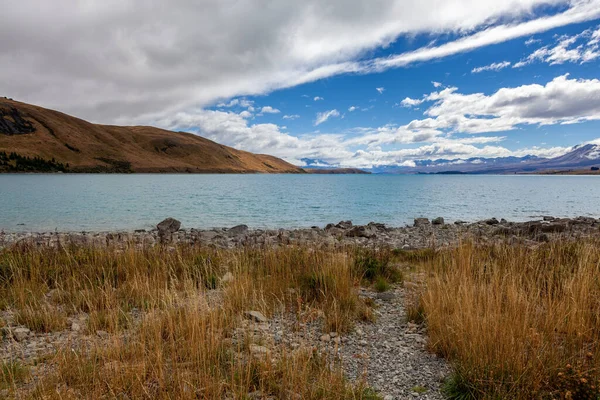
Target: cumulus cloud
(317,98)
(408,102)
(436,84)
(324,116)
(491,67)
(455,126)
(380,90)
(352,108)
(269,110)
(245,114)
(560,101)
(114,61)
(580,48)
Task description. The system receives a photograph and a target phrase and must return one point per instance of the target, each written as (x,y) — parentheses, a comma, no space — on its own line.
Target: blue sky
(345,83)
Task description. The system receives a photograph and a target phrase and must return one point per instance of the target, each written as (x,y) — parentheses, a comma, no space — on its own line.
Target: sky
(347,83)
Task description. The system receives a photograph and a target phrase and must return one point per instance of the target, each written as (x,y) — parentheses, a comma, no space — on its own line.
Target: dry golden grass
(516,322)
(171,320)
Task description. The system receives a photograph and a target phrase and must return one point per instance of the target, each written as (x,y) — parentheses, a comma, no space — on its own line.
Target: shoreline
(422,234)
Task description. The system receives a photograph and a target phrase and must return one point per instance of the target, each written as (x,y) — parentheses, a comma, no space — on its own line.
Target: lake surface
(128,202)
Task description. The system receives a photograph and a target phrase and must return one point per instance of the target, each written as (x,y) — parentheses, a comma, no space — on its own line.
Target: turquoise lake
(127,202)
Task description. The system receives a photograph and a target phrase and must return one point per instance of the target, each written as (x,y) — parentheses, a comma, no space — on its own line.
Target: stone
(386,296)
(325,338)
(227,278)
(344,225)
(438,221)
(257,350)
(421,222)
(362,231)
(20,334)
(491,221)
(256,316)
(169,225)
(238,230)
(75,327)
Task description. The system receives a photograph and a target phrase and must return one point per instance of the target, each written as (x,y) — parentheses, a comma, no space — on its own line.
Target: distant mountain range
(35,139)
(581,157)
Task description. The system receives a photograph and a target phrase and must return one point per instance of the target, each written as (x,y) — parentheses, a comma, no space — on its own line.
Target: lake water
(128,202)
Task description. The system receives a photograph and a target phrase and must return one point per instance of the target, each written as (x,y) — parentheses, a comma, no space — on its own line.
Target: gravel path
(391,353)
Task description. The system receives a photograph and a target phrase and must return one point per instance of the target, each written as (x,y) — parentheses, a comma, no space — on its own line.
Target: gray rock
(238,230)
(362,231)
(438,221)
(169,225)
(256,316)
(228,277)
(344,225)
(421,222)
(386,296)
(325,338)
(257,350)
(491,221)
(20,334)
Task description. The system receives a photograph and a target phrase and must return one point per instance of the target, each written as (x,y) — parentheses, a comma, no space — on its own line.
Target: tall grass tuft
(170,319)
(517,322)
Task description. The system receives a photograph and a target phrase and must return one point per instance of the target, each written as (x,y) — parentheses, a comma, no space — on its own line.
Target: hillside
(36,139)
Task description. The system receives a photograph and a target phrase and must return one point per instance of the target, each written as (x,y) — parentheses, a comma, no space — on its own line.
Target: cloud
(560,101)
(115,62)
(580,48)
(359,148)
(532,41)
(352,108)
(244,103)
(436,84)
(408,102)
(380,90)
(324,116)
(269,110)
(492,67)
(291,117)
(317,98)
(245,114)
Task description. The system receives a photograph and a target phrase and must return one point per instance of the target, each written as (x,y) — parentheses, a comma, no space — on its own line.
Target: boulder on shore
(438,221)
(169,225)
(421,222)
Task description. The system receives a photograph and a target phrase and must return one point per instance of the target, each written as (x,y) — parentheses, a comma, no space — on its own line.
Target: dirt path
(391,353)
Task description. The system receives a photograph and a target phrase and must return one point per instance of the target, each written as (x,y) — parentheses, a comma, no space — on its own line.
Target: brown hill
(37,139)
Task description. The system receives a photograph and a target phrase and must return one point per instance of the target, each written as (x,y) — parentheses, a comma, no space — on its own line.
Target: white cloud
(352,108)
(324,116)
(317,98)
(560,101)
(436,84)
(380,90)
(580,48)
(123,65)
(584,10)
(244,103)
(245,114)
(532,41)
(292,117)
(492,67)
(408,102)
(269,110)
(231,129)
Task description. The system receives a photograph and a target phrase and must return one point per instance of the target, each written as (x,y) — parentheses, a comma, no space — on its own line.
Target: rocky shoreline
(422,234)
